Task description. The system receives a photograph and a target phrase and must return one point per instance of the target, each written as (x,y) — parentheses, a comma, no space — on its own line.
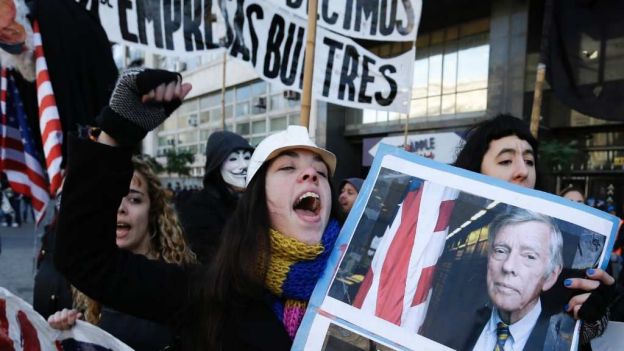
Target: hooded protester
(204,214)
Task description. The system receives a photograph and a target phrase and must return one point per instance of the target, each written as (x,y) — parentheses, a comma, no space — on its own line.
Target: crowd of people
(237,270)
(15,208)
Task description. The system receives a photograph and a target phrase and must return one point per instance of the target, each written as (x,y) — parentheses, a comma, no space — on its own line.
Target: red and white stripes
(49,120)
(17,160)
(3,92)
(398,285)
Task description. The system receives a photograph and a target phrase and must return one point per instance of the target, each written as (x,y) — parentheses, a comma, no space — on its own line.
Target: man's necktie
(502,334)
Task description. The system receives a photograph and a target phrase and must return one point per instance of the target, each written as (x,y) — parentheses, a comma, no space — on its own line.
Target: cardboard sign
(432,257)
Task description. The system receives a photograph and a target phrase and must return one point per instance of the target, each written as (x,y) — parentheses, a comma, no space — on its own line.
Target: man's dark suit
(546,334)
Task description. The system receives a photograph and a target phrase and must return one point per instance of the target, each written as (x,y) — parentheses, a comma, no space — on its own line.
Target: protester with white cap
(274,248)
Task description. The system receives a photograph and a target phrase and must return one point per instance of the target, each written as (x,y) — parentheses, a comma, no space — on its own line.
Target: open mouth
(122,229)
(308,204)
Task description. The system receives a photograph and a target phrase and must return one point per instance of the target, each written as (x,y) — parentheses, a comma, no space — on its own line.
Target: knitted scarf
(293,271)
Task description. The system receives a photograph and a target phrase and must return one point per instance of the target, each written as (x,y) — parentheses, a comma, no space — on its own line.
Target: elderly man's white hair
(518,216)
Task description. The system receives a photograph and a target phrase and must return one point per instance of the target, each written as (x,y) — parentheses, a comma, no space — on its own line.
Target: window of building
(187,137)
(242,109)
(242,128)
(450,75)
(279,123)
(258,127)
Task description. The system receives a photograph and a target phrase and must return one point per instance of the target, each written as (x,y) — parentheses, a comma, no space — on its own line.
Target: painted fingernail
(591,271)
(566,307)
(567,282)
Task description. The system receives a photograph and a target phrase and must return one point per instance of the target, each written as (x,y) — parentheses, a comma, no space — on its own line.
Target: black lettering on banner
(272,56)
(229,33)
(325,12)
(366,78)
(149,11)
(209,19)
(192,21)
(104,2)
(386,24)
(409,11)
(370,10)
(289,78)
(333,45)
(239,42)
(385,101)
(294,4)
(251,9)
(173,20)
(125,5)
(349,72)
(346,22)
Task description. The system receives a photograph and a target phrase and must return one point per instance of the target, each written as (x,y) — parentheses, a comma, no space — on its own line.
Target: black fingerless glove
(596,305)
(126,118)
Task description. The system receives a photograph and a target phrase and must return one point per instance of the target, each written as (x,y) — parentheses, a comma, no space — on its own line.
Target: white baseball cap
(294,137)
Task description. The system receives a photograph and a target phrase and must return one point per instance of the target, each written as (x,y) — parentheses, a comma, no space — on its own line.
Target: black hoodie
(205,213)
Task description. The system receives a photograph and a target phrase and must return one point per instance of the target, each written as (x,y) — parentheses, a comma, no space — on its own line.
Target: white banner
(345,73)
(272,39)
(167,27)
(349,75)
(21,328)
(387,20)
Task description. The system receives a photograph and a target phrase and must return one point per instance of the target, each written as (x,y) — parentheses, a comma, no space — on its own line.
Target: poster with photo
(433,257)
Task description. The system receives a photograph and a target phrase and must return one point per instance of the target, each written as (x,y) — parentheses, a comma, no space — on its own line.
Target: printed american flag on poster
(49,120)
(18,156)
(398,284)
(22,328)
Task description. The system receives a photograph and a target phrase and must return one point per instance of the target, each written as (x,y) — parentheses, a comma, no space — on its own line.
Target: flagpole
(308,70)
(225,53)
(405,132)
(540,75)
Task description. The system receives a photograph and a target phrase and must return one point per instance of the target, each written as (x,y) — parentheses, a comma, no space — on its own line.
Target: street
(16,260)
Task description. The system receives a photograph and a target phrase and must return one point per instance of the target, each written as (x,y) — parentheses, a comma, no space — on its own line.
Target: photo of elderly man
(524,260)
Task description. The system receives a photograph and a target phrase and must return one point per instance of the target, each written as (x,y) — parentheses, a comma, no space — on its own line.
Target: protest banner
(345,73)
(167,27)
(383,20)
(271,39)
(22,328)
(432,257)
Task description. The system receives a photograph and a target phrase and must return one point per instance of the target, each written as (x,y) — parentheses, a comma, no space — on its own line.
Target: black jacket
(98,176)
(139,334)
(51,291)
(203,217)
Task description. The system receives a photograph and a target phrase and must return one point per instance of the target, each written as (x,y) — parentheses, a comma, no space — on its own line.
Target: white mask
(234,168)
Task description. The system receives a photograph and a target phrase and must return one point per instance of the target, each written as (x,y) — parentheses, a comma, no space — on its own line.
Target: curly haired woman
(147,224)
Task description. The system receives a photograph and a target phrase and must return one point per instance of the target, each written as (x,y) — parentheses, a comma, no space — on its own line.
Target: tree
(155,165)
(179,162)
(559,155)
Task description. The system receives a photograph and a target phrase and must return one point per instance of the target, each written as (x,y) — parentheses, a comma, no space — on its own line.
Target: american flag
(18,157)
(397,287)
(49,120)
(23,329)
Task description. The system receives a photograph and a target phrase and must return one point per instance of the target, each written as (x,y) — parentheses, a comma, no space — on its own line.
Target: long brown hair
(239,269)
(166,236)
